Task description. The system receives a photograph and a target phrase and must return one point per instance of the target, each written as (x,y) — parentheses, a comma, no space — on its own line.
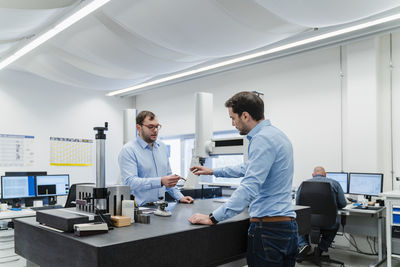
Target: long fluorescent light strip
(258,54)
(89,8)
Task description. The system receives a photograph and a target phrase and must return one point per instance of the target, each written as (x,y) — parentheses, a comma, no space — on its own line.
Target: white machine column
(203,111)
(129,124)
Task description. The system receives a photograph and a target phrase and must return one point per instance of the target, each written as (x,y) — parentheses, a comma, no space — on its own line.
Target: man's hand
(201,170)
(170,180)
(186,199)
(199,218)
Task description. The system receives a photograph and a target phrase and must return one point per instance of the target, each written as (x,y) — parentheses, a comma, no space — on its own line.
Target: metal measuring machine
(205,146)
(95,204)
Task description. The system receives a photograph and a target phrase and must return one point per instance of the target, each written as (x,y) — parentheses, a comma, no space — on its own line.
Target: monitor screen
(52,185)
(369,184)
(17,187)
(340,177)
(24,173)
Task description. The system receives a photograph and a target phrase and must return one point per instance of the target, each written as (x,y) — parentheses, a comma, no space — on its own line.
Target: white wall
(360,133)
(31,106)
(302,97)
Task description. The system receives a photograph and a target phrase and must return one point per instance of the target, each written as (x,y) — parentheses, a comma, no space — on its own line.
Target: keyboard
(47,207)
(367,208)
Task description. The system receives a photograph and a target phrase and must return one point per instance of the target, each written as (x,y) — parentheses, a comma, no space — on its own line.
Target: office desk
(166,241)
(366,223)
(7,253)
(13,214)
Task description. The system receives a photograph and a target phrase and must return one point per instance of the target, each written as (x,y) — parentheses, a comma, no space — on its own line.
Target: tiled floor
(351,259)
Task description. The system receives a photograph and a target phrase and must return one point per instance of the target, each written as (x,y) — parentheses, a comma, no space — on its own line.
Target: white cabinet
(392,203)
(8,258)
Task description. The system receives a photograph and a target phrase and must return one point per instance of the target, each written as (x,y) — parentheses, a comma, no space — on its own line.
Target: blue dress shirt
(268,174)
(142,168)
(336,188)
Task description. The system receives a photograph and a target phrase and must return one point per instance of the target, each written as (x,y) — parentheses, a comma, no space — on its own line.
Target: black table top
(174,241)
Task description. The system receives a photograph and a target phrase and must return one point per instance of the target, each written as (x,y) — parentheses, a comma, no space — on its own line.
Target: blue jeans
(327,237)
(272,244)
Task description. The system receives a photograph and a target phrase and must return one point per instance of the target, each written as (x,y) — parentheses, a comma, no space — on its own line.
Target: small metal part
(143,218)
(161,205)
(81,202)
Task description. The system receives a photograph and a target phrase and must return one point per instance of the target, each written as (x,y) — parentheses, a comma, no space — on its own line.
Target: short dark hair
(143,115)
(249,102)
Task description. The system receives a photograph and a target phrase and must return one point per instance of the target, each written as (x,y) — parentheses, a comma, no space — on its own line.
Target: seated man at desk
(328,235)
(145,166)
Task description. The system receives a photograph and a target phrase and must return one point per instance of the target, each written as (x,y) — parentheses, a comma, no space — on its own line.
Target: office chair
(70,203)
(318,196)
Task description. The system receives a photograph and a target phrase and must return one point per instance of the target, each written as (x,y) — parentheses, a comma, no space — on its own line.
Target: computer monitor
(52,185)
(17,187)
(341,177)
(25,173)
(369,184)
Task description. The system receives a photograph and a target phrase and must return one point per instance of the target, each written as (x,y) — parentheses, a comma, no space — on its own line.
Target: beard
(244,131)
(146,138)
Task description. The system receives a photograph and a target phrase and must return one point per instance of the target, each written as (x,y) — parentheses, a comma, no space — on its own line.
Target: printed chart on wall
(70,151)
(16,150)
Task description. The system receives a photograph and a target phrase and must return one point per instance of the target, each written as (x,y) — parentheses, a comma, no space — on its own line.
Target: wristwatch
(214,221)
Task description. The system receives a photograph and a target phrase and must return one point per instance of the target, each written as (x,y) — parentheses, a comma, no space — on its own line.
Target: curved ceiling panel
(319,13)
(17,23)
(127,42)
(197,27)
(142,44)
(4,46)
(52,67)
(97,43)
(37,4)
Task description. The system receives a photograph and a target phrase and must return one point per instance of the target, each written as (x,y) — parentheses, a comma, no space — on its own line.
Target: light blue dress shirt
(268,174)
(142,168)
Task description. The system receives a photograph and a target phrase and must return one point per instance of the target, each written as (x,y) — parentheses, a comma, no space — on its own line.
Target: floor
(351,259)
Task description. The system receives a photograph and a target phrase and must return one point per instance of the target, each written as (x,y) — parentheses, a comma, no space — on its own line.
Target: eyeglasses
(152,127)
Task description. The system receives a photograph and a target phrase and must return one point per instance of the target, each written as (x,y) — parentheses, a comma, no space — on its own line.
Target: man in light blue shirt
(145,166)
(265,188)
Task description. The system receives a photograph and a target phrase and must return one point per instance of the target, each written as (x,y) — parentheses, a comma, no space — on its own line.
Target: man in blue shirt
(265,188)
(145,166)
(329,234)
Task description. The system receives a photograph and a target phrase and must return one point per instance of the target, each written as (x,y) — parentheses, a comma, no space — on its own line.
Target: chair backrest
(70,203)
(318,195)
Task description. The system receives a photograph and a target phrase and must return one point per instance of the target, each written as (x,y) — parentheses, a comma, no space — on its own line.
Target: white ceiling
(127,42)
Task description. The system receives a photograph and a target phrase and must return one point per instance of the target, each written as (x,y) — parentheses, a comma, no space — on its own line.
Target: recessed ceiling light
(84,11)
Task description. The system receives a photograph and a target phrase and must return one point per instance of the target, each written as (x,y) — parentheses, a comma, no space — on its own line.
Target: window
(181,148)
(174,149)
